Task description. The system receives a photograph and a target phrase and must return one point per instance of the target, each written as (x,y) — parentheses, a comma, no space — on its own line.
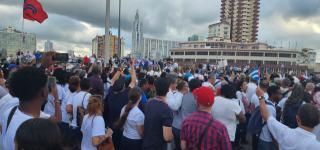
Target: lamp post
(119,31)
(107,53)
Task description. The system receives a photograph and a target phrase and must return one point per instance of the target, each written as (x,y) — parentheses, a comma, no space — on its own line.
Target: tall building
(98,45)
(155,49)
(137,36)
(12,41)
(219,31)
(48,46)
(244,19)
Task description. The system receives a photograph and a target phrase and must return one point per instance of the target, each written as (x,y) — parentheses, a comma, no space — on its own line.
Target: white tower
(137,37)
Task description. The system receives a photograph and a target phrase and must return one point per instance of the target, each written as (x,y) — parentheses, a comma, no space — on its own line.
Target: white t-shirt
(265,133)
(63,92)
(282,102)
(255,99)
(134,119)
(225,111)
(292,139)
(91,126)
(7,102)
(174,99)
(49,108)
(252,87)
(17,119)
(239,100)
(77,100)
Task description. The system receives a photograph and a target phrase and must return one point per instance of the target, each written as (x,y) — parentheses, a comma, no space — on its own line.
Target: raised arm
(133,75)
(116,76)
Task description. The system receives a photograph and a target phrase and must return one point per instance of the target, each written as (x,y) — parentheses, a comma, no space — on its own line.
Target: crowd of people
(130,104)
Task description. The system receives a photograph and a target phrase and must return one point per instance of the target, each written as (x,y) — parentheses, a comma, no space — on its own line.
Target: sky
(72,24)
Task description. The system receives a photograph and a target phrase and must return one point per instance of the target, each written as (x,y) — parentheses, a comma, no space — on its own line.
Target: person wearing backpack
(300,138)
(292,106)
(266,141)
(78,103)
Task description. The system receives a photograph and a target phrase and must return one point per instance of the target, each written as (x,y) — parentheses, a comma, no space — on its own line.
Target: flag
(32,10)
(255,74)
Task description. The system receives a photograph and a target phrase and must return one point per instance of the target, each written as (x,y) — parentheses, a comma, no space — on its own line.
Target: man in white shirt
(211,81)
(266,141)
(264,84)
(252,86)
(29,85)
(228,111)
(80,98)
(300,138)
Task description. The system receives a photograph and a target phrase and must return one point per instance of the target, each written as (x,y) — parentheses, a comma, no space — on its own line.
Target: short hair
(61,76)
(228,91)
(172,78)
(74,83)
(150,80)
(162,86)
(27,82)
(95,104)
(211,76)
(264,83)
(194,84)
(38,133)
(143,82)
(96,69)
(181,84)
(273,90)
(85,84)
(309,115)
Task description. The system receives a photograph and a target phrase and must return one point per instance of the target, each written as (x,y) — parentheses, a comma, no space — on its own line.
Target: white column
(107,53)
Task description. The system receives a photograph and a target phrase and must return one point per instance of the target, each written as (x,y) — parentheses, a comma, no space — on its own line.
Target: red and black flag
(32,10)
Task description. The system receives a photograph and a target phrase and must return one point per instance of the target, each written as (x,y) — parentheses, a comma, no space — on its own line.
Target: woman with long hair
(132,121)
(292,105)
(93,125)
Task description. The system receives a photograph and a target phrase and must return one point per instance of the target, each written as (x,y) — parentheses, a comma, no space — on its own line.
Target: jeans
(176,134)
(263,145)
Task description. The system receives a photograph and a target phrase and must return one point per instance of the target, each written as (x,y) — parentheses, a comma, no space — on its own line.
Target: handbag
(107,144)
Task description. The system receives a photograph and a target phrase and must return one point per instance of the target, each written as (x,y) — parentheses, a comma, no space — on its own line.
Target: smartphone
(51,82)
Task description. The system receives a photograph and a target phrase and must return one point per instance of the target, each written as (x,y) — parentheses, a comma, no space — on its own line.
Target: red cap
(204,96)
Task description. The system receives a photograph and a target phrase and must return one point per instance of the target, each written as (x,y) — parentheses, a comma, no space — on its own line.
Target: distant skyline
(73,25)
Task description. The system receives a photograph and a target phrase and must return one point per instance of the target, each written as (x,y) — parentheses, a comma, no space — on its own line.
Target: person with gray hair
(96,82)
(211,82)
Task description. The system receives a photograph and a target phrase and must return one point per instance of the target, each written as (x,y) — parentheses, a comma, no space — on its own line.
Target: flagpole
(22,29)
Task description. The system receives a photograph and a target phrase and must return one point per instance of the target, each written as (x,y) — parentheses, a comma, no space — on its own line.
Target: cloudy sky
(73,23)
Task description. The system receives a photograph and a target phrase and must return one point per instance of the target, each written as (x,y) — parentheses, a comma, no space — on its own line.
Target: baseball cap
(204,96)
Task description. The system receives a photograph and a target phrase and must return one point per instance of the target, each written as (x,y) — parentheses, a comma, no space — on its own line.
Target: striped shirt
(215,138)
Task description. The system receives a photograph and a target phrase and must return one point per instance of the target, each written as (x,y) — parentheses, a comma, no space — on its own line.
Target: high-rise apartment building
(48,46)
(243,16)
(98,45)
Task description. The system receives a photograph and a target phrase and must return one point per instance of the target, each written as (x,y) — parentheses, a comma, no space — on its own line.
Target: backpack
(289,114)
(81,112)
(256,123)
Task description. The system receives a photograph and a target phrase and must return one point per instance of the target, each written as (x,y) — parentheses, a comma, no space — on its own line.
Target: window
(202,53)
(294,55)
(228,53)
(242,53)
(195,46)
(271,62)
(285,55)
(213,53)
(179,53)
(190,53)
(257,62)
(256,54)
(285,63)
(271,54)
